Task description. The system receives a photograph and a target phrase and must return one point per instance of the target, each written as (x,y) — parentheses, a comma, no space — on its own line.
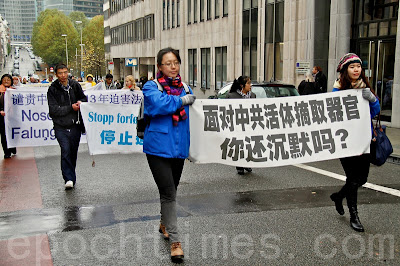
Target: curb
(393,158)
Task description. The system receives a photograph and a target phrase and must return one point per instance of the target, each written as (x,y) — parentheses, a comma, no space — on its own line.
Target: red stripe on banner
(33,250)
(19,182)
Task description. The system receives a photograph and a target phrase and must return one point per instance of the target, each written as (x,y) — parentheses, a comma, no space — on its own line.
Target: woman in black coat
(241,88)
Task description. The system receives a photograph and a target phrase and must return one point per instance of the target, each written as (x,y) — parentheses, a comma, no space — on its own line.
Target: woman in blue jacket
(167,138)
(356,167)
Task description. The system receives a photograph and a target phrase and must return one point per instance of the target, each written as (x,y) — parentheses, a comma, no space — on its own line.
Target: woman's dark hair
(6,75)
(239,83)
(167,50)
(345,82)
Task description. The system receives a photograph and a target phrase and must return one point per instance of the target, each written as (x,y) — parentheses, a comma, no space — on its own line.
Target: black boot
(352,204)
(336,197)
(354,220)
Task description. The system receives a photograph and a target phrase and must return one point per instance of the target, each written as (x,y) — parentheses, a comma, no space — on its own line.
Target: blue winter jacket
(161,137)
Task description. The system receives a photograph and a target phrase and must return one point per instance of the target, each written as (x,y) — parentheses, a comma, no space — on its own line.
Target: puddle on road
(71,218)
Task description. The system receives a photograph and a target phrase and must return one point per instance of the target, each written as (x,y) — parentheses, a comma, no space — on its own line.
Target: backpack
(141,122)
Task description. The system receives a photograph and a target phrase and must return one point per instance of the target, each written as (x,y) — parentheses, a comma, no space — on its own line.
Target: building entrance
(378,62)
(374,30)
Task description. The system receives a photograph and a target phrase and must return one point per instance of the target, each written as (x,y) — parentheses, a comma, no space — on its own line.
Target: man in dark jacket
(64,98)
(320,79)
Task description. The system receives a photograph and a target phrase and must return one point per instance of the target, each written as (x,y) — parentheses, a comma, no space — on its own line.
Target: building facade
(4,41)
(21,14)
(91,8)
(219,40)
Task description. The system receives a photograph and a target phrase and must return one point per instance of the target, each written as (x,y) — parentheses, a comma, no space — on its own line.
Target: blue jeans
(69,144)
(167,173)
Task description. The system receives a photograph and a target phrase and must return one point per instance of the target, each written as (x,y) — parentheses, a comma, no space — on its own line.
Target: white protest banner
(115,97)
(279,131)
(27,117)
(111,128)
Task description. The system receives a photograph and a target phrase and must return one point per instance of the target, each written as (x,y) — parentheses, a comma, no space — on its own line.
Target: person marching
(64,97)
(167,138)
(241,89)
(356,167)
(6,83)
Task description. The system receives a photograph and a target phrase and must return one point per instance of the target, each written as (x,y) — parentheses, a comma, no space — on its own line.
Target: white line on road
(383,189)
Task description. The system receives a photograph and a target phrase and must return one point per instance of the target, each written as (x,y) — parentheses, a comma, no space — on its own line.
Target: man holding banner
(64,98)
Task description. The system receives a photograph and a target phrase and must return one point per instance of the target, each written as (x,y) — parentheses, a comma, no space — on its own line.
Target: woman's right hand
(2,113)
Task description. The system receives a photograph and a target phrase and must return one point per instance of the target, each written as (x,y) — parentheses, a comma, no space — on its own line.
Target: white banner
(279,131)
(27,117)
(111,128)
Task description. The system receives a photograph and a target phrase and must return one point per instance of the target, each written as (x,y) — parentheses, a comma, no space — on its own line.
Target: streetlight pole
(80,22)
(66,46)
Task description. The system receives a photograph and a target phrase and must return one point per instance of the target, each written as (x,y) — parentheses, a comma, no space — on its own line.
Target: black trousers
(167,174)
(6,150)
(357,170)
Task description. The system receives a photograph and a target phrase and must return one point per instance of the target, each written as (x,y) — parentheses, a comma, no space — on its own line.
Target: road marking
(383,189)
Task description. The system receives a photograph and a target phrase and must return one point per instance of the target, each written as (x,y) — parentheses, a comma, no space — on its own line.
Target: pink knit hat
(348,59)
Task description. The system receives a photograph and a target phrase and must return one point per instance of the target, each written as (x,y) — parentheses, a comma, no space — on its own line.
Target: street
(25,63)
(274,216)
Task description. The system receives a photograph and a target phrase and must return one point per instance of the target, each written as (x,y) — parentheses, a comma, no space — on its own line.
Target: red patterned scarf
(173,87)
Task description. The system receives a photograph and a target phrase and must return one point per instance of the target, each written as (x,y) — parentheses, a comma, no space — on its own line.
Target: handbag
(380,147)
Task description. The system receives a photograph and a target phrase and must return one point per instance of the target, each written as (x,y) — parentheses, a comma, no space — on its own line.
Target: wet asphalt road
(273,216)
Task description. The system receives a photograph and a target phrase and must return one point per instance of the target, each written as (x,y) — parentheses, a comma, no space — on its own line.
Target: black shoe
(7,156)
(240,171)
(248,170)
(338,203)
(355,221)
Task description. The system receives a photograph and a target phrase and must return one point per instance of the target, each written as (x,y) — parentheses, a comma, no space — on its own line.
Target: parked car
(16,64)
(264,90)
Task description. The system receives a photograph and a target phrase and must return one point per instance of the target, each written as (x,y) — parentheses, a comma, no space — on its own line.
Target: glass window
(250,29)
(189,14)
(384,28)
(195,11)
(173,14)
(178,11)
(201,10)
(220,67)
(168,18)
(216,9)
(192,67)
(225,8)
(163,17)
(205,68)
(208,9)
(373,29)
(273,61)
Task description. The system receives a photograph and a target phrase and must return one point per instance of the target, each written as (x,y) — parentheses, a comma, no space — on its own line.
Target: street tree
(93,38)
(47,41)
(78,16)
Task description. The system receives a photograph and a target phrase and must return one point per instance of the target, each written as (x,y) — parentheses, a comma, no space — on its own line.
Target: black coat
(60,103)
(235,95)
(321,82)
(306,88)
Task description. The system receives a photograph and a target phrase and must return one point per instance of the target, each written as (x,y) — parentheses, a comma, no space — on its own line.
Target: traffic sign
(82,74)
(110,65)
(51,69)
(131,62)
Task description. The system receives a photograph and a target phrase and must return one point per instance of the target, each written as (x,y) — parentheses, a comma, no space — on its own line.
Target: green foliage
(93,38)
(78,16)
(47,41)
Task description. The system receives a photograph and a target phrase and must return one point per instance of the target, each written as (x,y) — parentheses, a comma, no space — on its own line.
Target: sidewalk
(394,137)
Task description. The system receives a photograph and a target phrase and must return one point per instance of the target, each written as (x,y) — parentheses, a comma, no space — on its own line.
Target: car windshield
(272,92)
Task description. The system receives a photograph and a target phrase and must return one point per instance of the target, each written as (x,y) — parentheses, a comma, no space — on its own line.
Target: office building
(219,40)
